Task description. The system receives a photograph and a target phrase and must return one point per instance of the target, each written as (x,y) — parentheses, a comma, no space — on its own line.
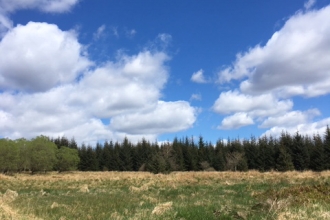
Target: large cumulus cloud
(50,86)
(294,62)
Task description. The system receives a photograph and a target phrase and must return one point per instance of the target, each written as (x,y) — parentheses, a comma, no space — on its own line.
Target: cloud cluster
(294,62)
(48,85)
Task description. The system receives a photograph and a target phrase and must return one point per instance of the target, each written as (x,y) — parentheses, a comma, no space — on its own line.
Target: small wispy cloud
(309,4)
(130,33)
(198,77)
(197,97)
(100,32)
(115,31)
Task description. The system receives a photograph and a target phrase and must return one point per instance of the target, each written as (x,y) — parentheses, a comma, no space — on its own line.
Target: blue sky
(98,70)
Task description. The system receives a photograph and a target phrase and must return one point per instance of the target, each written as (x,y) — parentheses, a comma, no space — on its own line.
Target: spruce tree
(219,159)
(300,157)
(283,161)
(125,155)
(317,154)
(326,144)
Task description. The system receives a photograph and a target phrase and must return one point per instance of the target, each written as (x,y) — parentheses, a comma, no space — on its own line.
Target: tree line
(40,154)
(287,152)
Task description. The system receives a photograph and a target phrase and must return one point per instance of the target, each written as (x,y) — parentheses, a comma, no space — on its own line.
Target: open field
(184,195)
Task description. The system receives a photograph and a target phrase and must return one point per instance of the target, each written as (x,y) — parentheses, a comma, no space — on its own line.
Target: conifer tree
(300,157)
(251,151)
(125,155)
(107,155)
(178,155)
(283,161)
(317,154)
(326,144)
(219,159)
(73,144)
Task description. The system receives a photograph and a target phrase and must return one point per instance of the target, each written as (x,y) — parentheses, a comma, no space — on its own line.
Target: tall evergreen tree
(219,159)
(283,160)
(300,157)
(178,154)
(107,155)
(251,151)
(317,154)
(125,155)
(73,144)
(326,144)
(92,161)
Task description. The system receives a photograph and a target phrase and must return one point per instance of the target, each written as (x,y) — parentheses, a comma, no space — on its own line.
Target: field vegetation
(178,195)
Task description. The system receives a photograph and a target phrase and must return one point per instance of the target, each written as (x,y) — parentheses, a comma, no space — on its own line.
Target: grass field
(183,195)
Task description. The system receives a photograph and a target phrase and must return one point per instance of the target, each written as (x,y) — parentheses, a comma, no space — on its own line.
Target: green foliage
(284,161)
(8,155)
(300,154)
(67,159)
(42,154)
(317,154)
(264,154)
(326,145)
(24,155)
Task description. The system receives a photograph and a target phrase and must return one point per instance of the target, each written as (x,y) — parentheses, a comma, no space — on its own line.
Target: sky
(104,69)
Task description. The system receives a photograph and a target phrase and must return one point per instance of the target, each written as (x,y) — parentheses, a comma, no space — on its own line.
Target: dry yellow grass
(175,177)
(146,188)
(162,208)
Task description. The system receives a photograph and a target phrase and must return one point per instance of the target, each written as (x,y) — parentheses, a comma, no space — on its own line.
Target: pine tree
(73,144)
(326,144)
(178,155)
(93,163)
(107,155)
(99,157)
(125,155)
(317,154)
(219,159)
(266,154)
(283,161)
(82,152)
(300,157)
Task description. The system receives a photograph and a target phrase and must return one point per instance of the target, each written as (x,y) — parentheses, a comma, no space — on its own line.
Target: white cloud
(291,119)
(5,24)
(129,87)
(47,87)
(43,5)
(295,61)
(310,128)
(130,33)
(39,56)
(236,121)
(257,106)
(198,77)
(197,97)
(165,38)
(100,32)
(165,118)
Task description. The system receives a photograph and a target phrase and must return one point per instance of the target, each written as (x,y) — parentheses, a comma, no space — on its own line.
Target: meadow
(178,195)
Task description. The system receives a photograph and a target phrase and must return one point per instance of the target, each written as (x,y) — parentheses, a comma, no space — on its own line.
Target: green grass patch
(114,195)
